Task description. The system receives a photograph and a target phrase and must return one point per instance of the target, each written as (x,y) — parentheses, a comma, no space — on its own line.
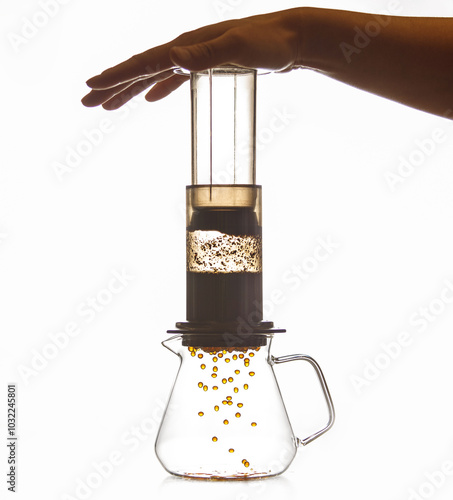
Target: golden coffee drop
(252,354)
(231,450)
(190,348)
(226,422)
(214,439)
(241,356)
(192,353)
(237,372)
(235,357)
(243,461)
(205,388)
(246,364)
(215,369)
(214,387)
(224,351)
(200,413)
(216,408)
(213,375)
(237,415)
(253,424)
(224,381)
(200,384)
(227,360)
(203,367)
(246,464)
(220,355)
(258,348)
(214,359)
(230,402)
(200,355)
(251,374)
(230,379)
(240,405)
(246,386)
(236,389)
(229,398)
(224,402)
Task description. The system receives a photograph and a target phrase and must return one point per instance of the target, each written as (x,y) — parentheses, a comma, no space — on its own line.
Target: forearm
(409,60)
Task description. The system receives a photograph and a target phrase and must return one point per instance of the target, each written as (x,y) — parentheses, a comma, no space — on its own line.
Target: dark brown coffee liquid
(225,297)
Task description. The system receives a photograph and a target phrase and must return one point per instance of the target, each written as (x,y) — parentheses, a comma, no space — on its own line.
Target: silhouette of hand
(269,41)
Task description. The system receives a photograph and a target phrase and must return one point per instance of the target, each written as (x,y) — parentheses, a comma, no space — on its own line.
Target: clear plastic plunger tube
(223,126)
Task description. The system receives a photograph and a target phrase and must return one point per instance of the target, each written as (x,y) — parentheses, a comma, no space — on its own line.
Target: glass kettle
(225,417)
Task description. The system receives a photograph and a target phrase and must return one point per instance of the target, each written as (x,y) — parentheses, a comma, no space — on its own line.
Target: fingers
(148,63)
(117,96)
(96,97)
(126,95)
(166,87)
(155,60)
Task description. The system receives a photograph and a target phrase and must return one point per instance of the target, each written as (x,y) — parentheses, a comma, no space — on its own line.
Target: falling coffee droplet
(230,379)
(252,354)
(224,381)
(226,422)
(237,372)
(214,375)
(216,408)
(200,355)
(235,357)
(200,384)
(236,389)
(192,354)
(215,369)
(231,450)
(246,464)
(214,439)
(214,359)
(205,388)
(229,398)
(253,424)
(241,356)
(203,367)
(200,413)
(238,415)
(240,405)
(227,360)
(246,386)
(251,374)
(214,387)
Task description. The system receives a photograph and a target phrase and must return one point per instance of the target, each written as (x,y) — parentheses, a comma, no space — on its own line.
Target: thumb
(204,55)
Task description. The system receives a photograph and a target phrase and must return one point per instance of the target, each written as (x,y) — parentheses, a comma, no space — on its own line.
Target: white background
(121,209)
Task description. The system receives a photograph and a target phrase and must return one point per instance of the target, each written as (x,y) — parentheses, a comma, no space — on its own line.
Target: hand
(269,41)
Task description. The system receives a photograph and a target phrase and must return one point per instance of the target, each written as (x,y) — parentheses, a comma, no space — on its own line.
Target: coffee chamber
(225,418)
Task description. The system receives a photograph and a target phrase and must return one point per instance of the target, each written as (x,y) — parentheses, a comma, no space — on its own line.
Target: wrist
(319,33)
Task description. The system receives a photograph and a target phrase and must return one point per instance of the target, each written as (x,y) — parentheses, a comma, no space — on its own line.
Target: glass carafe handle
(325,389)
